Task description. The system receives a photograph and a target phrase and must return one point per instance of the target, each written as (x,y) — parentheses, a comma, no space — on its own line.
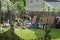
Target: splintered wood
(51,20)
(46,19)
(43,20)
(34,19)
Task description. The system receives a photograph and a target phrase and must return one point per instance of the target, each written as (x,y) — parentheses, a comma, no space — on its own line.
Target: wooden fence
(45,16)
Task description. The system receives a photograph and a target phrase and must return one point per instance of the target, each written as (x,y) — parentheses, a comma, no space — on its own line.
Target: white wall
(34,6)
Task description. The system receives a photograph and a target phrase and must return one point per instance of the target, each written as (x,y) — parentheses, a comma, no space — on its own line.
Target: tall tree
(24,2)
(20,4)
(0,6)
(0,11)
(6,4)
(14,1)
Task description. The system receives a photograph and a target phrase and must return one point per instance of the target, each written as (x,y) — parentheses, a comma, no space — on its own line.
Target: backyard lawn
(29,34)
(55,34)
(34,34)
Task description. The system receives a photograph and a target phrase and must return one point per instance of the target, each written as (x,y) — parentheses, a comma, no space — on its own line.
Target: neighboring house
(47,5)
(53,3)
(34,5)
(52,0)
(38,5)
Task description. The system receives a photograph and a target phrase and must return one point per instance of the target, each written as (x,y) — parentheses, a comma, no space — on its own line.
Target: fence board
(34,19)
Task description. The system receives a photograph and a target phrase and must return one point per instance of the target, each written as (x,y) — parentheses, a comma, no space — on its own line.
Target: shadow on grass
(39,33)
(9,35)
(55,33)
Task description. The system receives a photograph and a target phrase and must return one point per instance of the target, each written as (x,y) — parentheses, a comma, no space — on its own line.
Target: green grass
(55,34)
(29,34)
(34,34)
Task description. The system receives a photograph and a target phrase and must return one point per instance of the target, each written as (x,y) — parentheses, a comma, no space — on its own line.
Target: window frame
(31,1)
(36,0)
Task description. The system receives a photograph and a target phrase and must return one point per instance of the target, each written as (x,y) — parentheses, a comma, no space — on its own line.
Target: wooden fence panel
(46,19)
(51,21)
(34,19)
(43,20)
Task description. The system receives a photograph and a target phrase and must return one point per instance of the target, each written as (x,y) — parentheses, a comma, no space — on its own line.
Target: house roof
(54,3)
(52,0)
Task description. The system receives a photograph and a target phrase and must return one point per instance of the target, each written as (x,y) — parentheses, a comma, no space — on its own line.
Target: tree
(20,4)
(0,10)
(24,2)
(14,6)
(7,3)
(0,5)
(14,1)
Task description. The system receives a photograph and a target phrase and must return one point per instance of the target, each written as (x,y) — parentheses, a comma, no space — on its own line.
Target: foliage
(12,5)
(20,4)
(7,5)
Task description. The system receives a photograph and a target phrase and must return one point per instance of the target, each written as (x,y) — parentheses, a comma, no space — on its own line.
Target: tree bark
(0,11)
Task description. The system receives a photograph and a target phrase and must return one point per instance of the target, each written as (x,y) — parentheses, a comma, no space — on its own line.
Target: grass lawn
(29,34)
(55,34)
(34,34)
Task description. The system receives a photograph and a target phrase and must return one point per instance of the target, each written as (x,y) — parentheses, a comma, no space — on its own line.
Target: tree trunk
(0,11)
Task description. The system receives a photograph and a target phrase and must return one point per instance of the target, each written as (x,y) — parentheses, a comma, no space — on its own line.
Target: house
(53,3)
(34,5)
(38,5)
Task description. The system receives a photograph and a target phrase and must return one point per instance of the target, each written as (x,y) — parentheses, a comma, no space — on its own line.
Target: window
(36,0)
(31,1)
